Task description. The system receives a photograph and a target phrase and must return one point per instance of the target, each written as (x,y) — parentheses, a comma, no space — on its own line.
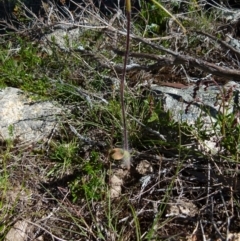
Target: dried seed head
(121,154)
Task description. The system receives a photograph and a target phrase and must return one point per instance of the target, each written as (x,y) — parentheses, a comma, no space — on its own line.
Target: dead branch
(178,59)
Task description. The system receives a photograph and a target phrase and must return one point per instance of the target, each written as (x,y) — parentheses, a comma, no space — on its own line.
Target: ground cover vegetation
(76,185)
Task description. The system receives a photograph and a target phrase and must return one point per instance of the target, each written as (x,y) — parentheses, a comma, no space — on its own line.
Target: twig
(217,230)
(224,44)
(208,182)
(191,61)
(87,140)
(204,237)
(228,226)
(85,94)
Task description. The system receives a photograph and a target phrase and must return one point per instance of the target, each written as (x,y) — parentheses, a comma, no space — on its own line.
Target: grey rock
(206,105)
(235,43)
(25,119)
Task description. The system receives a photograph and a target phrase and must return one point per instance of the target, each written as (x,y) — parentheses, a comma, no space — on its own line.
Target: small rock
(182,208)
(144,167)
(115,186)
(18,232)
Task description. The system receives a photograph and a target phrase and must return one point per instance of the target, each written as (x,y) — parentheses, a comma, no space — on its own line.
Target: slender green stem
(125,132)
(127,157)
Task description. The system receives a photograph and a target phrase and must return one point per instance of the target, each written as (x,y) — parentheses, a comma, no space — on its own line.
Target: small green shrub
(229,137)
(153,18)
(91,182)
